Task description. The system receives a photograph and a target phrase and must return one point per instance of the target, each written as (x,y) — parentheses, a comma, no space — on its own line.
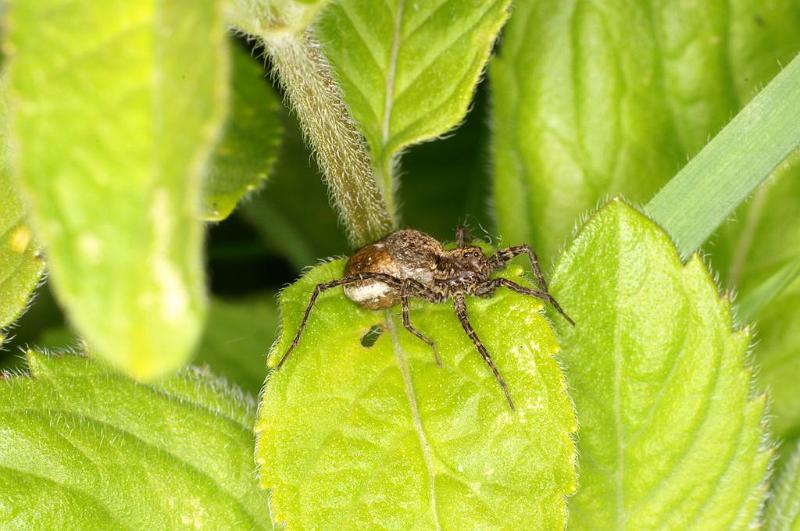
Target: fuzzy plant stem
(340,150)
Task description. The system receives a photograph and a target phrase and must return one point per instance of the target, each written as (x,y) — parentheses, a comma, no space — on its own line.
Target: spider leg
(488,288)
(463,236)
(404,294)
(501,257)
(461,313)
(319,288)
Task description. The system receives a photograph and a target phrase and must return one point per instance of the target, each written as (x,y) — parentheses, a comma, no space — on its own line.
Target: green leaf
(115,110)
(670,434)
(245,155)
(596,99)
(783,512)
(273,18)
(238,335)
(347,434)
(20,264)
(408,70)
(705,192)
(82,447)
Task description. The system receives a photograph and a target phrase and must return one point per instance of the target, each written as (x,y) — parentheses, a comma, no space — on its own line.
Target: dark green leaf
(244,156)
(238,334)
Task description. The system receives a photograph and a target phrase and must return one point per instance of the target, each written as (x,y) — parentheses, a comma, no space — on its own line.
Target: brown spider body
(410,263)
(413,255)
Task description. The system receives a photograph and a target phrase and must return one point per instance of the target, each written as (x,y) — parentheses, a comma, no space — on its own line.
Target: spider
(410,263)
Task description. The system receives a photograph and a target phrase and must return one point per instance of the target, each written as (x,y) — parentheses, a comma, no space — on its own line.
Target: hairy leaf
(349,433)
(20,265)
(238,334)
(84,448)
(783,512)
(116,107)
(670,435)
(408,69)
(245,155)
(594,99)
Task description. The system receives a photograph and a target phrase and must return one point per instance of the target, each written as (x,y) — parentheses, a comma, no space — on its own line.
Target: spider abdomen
(405,254)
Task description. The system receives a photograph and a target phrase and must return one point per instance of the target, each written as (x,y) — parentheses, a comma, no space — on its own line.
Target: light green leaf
(783,512)
(273,18)
(84,448)
(348,434)
(594,99)
(115,109)
(408,70)
(238,335)
(670,436)
(245,155)
(20,265)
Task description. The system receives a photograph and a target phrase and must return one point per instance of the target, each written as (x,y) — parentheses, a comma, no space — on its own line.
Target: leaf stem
(339,148)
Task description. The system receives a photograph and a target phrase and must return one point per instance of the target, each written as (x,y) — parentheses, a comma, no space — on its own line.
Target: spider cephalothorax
(410,263)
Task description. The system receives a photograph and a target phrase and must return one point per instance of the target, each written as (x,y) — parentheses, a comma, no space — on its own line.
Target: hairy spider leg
(488,288)
(501,257)
(404,294)
(319,288)
(463,236)
(461,313)
(419,290)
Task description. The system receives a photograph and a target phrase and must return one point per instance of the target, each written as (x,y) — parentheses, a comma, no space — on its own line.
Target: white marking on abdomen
(366,292)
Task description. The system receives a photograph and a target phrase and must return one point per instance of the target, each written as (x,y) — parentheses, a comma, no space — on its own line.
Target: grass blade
(705,192)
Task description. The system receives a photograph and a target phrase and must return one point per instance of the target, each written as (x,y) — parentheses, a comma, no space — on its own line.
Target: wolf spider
(410,263)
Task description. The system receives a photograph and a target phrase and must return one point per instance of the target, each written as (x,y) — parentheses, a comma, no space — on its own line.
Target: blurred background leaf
(592,100)
(783,512)
(21,265)
(115,109)
(249,145)
(237,337)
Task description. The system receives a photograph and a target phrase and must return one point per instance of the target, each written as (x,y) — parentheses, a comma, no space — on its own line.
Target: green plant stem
(708,189)
(338,146)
